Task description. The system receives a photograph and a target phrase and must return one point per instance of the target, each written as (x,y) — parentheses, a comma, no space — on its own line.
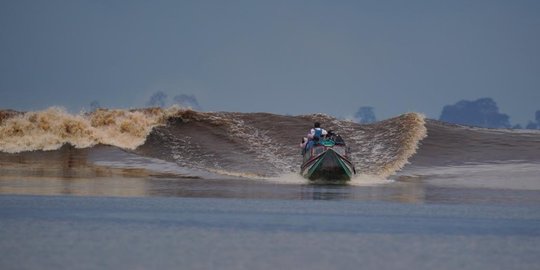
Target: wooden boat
(327,161)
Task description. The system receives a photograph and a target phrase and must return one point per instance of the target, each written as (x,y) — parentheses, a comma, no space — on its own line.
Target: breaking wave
(54,127)
(249,145)
(263,145)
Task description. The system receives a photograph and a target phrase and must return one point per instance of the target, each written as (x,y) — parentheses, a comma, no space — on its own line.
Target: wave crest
(51,128)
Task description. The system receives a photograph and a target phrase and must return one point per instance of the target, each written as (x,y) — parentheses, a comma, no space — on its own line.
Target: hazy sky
(290,57)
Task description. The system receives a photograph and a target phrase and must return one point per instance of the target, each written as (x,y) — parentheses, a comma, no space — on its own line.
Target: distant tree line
(482,112)
(536,123)
(365,115)
(160,99)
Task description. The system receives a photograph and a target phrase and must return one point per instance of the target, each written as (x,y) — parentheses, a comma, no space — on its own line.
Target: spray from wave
(252,145)
(54,127)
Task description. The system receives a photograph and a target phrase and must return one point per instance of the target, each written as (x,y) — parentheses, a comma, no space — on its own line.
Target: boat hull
(328,166)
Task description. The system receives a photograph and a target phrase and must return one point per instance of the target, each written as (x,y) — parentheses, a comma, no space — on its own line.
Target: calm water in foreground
(81,232)
(76,214)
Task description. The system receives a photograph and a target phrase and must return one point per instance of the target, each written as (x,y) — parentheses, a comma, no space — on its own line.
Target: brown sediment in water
(6,114)
(261,144)
(51,128)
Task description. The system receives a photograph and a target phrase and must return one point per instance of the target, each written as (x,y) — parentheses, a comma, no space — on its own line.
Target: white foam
(369,180)
(288,178)
(51,128)
(520,176)
(357,180)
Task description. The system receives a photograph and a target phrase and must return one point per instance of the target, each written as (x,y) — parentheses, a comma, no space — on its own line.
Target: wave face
(238,144)
(449,145)
(263,144)
(266,145)
(459,156)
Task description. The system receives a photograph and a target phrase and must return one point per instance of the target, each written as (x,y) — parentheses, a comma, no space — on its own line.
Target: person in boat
(303,145)
(317,132)
(314,136)
(336,138)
